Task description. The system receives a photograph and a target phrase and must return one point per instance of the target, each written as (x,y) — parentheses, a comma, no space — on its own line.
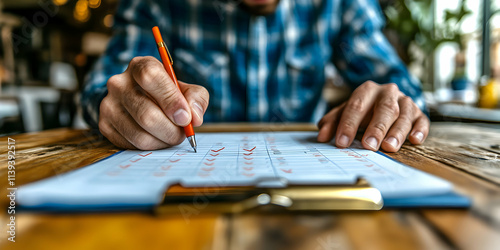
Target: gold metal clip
(162,44)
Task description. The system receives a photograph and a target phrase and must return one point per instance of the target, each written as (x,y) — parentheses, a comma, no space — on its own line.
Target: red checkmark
(180,154)
(248,168)
(250,150)
(362,160)
(356,156)
(124,167)
(208,164)
(249,163)
(218,149)
(288,171)
(175,160)
(211,159)
(214,155)
(208,169)
(136,160)
(371,165)
(248,154)
(166,167)
(248,174)
(159,174)
(146,154)
(248,159)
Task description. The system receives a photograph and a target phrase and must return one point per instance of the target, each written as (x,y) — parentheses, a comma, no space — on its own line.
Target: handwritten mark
(181,154)
(216,151)
(371,165)
(146,154)
(174,160)
(208,169)
(249,163)
(136,160)
(248,174)
(214,155)
(248,168)
(250,150)
(124,167)
(288,171)
(248,159)
(247,154)
(361,160)
(213,159)
(204,174)
(166,167)
(208,164)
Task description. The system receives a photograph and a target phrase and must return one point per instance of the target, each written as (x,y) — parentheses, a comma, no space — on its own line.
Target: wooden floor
(465,154)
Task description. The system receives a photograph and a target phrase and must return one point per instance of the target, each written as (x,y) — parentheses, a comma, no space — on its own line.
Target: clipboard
(360,196)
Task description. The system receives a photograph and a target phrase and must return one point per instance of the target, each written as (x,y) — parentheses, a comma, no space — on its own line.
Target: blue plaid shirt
(256,68)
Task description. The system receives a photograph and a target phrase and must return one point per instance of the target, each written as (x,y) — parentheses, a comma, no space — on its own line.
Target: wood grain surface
(464,154)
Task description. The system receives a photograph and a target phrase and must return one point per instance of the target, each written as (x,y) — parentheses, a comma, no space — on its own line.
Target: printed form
(263,159)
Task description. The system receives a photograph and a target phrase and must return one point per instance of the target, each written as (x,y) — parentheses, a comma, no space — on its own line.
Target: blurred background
(48,46)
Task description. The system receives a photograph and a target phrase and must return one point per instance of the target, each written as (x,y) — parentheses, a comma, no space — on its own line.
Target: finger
(114,136)
(328,124)
(135,134)
(150,74)
(420,130)
(402,126)
(197,98)
(386,111)
(359,104)
(150,117)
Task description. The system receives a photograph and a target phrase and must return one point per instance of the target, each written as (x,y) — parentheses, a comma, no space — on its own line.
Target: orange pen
(167,63)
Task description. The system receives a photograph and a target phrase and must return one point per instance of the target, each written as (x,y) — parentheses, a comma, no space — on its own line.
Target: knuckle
(136,61)
(349,126)
(105,107)
(370,84)
(147,120)
(392,87)
(390,106)
(114,83)
(104,128)
(144,142)
(380,128)
(356,105)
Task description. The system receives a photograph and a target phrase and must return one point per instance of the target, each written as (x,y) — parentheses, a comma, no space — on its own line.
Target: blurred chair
(11,119)
(61,113)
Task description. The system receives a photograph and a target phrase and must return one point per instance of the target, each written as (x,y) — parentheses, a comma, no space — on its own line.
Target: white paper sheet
(228,159)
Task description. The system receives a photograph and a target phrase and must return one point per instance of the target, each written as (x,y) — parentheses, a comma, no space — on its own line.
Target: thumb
(150,74)
(197,98)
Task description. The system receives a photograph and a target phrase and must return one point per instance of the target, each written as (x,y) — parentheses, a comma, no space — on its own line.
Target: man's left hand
(388,115)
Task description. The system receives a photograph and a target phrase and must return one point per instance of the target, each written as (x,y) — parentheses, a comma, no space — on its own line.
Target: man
(258,60)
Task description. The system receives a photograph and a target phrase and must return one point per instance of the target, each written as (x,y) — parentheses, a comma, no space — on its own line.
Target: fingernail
(197,109)
(343,141)
(419,136)
(393,141)
(372,142)
(181,117)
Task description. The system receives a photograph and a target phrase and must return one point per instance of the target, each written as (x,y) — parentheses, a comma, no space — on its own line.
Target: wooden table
(465,154)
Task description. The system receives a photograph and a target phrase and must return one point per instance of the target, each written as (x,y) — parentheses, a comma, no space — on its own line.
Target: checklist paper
(262,159)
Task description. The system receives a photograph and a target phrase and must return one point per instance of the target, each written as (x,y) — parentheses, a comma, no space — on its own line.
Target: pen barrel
(189,130)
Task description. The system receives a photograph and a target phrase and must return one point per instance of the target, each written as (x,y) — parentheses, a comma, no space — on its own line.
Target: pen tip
(195,150)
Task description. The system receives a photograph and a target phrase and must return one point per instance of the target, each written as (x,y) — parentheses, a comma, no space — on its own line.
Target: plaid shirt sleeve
(363,53)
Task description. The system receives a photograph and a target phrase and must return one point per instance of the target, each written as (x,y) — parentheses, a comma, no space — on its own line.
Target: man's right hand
(145,110)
